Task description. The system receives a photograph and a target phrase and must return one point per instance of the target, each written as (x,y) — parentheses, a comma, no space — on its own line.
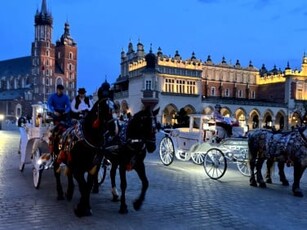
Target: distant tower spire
(43,24)
(44,7)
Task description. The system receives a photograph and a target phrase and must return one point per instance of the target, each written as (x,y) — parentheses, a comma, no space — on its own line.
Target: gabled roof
(16,66)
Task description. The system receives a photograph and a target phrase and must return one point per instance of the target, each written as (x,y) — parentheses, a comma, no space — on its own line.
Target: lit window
(169,85)
(180,85)
(191,87)
(299,94)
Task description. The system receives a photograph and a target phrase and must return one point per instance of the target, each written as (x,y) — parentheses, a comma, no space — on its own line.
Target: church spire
(43,23)
(44,7)
(43,17)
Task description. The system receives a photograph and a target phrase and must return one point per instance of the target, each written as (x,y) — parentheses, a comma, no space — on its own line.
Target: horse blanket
(291,145)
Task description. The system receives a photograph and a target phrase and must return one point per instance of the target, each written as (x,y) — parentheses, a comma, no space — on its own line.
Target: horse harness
(75,134)
(277,144)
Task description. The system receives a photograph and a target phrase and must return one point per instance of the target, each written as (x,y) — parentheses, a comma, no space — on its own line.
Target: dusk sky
(270,32)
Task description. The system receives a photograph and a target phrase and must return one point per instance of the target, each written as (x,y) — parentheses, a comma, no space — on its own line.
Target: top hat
(81,91)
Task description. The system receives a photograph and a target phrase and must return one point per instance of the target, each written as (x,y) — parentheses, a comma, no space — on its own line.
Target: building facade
(256,98)
(29,80)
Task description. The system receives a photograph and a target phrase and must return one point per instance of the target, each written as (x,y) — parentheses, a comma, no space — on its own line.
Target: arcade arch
(254,119)
(170,111)
(240,116)
(168,114)
(295,119)
(280,120)
(267,121)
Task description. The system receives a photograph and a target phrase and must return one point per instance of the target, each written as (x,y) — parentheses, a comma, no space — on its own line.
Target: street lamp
(1,119)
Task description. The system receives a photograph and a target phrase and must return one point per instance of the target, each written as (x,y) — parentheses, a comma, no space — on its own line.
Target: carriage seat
(186,133)
(218,131)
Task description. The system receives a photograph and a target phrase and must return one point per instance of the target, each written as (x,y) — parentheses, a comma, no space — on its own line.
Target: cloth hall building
(255,97)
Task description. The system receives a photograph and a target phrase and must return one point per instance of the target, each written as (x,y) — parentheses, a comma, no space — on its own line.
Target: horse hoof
(254,184)
(83,212)
(262,185)
(60,197)
(95,189)
(285,183)
(123,209)
(115,198)
(297,192)
(269,181)
(115,194)
(137,205)
(68,196)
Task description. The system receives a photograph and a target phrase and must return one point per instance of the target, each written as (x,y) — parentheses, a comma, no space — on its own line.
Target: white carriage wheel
(198,158)
(215,163)
(36,172)
(167,151)
(243,163)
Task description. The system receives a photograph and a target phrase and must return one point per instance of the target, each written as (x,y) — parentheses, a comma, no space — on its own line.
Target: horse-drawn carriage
(205,143)
(34,137)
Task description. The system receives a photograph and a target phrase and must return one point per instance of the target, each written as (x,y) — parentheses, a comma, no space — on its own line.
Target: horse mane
(135,125)
(94,124)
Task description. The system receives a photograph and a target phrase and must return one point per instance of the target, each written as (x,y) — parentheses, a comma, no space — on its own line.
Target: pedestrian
(81,104)
(59,105)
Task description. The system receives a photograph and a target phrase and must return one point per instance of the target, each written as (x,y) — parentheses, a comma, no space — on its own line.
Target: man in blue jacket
(59,105)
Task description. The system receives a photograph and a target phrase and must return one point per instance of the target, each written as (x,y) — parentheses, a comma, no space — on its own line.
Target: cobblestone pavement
(180,196)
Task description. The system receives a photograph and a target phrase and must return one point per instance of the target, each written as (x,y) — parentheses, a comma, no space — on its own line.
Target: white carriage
(199,143)
(34,138)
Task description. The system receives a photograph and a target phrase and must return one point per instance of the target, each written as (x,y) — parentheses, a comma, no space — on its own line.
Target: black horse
(290,146)
(81,148)
(137,137)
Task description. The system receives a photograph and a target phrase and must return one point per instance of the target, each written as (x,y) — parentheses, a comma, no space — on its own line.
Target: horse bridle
(142,140)
(104,122)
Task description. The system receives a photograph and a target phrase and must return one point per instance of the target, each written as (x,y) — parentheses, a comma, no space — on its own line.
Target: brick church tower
(52,64)
(31,79)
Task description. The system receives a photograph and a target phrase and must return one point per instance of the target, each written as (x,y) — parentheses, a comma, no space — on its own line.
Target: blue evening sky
(264,31)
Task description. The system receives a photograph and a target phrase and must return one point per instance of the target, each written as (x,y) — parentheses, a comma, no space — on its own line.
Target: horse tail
(251,137)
